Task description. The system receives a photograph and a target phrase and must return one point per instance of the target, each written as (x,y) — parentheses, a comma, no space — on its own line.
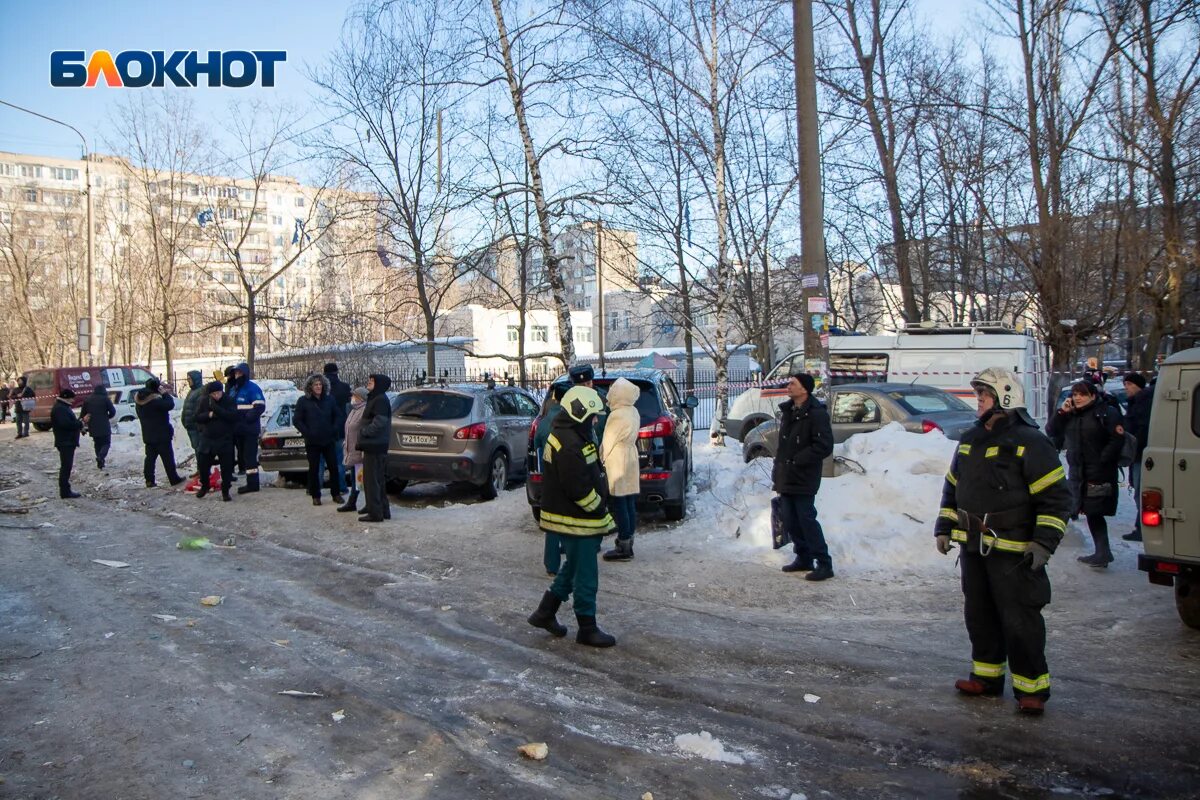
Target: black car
(664,442)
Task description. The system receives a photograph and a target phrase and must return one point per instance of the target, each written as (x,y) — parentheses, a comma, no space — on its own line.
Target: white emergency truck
(943,356)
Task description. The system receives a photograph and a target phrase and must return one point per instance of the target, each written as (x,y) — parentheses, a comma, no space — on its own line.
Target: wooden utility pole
(812,206)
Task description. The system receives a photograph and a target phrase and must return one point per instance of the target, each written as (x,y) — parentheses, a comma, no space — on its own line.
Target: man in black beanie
(1137,422)
(805,440)
(66,439)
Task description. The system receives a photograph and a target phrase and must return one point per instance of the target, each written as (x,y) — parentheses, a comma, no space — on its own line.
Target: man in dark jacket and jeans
(188,416)
(317,419)
(805,441)
(96,413)
(66,439)
(154,404)
(373,439)
(339,390)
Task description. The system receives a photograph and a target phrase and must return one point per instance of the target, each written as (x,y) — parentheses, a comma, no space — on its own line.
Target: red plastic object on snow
(214,482)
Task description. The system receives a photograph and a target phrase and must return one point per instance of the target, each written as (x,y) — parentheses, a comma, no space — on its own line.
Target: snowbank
(704,745)
(879,520)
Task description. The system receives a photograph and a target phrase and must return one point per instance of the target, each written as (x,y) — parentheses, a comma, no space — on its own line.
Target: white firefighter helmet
(1002,383)
(582,402)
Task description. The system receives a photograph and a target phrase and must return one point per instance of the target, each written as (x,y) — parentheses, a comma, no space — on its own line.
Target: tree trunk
(557,288)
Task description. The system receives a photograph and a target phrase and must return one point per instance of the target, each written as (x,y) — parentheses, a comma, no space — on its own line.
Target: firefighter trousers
(1003,610)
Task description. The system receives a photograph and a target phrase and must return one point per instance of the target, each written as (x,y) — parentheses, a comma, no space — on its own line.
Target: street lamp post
(91,229)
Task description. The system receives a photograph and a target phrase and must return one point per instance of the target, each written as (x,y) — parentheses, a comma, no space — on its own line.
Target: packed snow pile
(881,519)
(704,745)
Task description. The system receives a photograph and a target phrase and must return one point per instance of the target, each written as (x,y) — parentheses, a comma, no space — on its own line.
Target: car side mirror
(691,401)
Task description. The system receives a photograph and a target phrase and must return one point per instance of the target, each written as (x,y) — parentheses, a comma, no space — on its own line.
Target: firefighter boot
(977,688)
(622,551)
(544,617)
(1031,705)
(591,635)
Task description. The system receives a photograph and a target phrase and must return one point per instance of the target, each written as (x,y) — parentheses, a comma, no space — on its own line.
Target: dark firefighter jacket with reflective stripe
(572,484)
(1012,474)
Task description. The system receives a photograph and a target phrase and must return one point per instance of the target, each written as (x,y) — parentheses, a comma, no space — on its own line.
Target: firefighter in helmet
(1005,500)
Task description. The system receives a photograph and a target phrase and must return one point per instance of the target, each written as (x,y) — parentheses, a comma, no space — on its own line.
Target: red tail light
(1152,508)
(535,477)
(655,476)
(270,442)
(476,431)
(663,426)
(928,426)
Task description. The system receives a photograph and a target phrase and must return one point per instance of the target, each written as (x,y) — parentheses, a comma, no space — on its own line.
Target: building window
(64,174)
(541,333)
(231,341)
(514,333)
(279,241)
(30,171)
(276,219)
(628,319)
(31,195)
(583,335)
(7,170)
(299,202)
(612,320)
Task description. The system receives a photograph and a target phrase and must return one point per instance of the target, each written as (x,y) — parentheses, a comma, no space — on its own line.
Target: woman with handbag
(1091,429)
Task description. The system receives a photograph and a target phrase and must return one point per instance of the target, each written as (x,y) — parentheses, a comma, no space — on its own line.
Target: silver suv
(460,433)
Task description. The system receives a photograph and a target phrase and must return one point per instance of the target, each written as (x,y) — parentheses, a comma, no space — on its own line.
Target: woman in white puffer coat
(618,451)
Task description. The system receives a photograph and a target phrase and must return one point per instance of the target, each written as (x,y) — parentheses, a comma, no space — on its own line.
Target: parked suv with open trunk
(664,441)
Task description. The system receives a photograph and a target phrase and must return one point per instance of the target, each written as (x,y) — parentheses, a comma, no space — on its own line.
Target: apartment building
(175,256)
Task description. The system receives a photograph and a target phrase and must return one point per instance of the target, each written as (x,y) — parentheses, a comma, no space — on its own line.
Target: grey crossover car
(460,433)
(861,407)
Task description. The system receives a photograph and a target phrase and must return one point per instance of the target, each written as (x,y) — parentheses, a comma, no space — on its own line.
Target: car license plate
(293,444)
(413,438)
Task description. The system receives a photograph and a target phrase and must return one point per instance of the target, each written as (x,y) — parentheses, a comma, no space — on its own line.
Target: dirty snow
(704,745)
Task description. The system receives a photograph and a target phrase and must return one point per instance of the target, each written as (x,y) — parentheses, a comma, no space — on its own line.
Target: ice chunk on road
(704,745)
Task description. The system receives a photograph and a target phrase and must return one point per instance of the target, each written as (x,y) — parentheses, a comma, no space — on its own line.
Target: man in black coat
(17,397)
(215,418)
(154,404)
(339,390)
(1137,421)
(4,393)
(96,412)
(317,419)
(805,441)
(66,439)
(373,438)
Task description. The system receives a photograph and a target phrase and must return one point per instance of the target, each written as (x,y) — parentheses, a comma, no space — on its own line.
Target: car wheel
(126,419)
(295,477)
(755,452)
(537,513)
(674,513)
(1187,600)
(396,486)
(41,426)
(497,477)
(751,425)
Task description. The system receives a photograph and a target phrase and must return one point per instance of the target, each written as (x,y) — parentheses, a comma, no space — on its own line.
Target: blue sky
(307,29)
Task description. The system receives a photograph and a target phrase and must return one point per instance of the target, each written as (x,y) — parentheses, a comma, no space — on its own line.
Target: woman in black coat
(1090,428)
(97,412)
(317,418)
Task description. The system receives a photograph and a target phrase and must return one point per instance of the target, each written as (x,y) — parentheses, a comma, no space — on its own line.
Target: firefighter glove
(1036,555)
(943,543)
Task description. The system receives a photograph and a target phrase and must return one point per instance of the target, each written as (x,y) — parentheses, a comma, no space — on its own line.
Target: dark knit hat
(806,381)
(331,368)
(1136,378)
(153,384)
(214,386)
(67,394)
(581,373)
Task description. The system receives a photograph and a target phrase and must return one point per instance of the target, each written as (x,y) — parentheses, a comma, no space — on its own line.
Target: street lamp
(91,244)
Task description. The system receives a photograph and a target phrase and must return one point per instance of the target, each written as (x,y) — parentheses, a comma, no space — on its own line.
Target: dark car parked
(861,407)
(664,441)
(460,433)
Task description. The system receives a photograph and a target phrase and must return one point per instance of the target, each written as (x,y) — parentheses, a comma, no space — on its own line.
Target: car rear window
(648,404)
(928,402)
(433,405)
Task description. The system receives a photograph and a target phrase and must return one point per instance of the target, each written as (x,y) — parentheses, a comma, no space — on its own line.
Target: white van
(1171,484)
(946,357)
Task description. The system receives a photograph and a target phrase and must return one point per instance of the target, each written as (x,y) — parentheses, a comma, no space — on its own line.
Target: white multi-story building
(494,334)
(174,255)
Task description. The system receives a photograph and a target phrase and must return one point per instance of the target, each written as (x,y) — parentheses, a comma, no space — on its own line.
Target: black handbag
(1098,490)
(779,532)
